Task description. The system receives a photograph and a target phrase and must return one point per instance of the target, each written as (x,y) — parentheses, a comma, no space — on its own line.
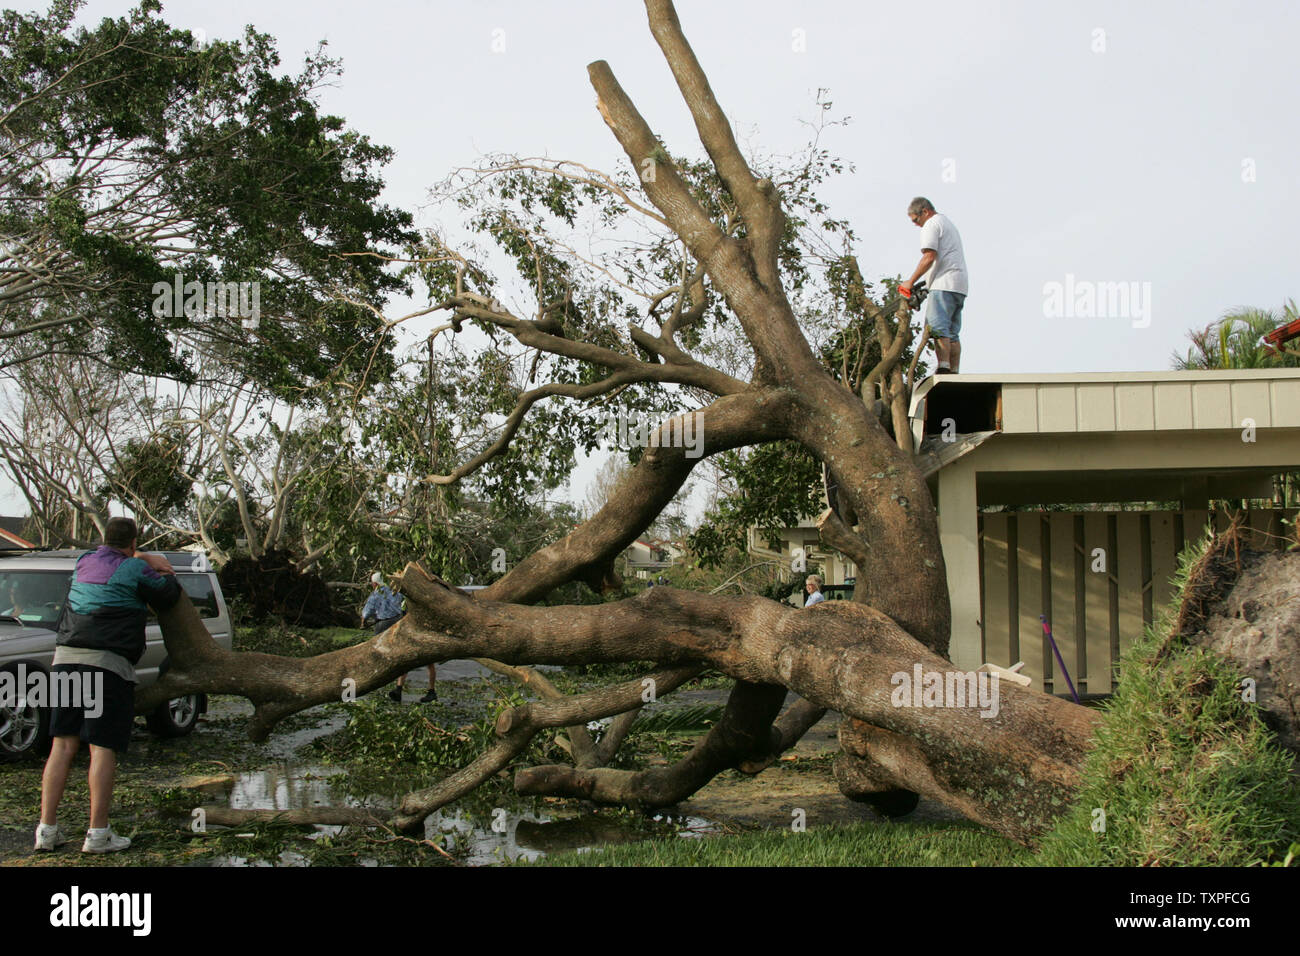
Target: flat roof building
(1019,441)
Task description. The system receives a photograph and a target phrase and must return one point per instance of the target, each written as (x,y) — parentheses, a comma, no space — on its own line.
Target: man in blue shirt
(384,608)
(101,639)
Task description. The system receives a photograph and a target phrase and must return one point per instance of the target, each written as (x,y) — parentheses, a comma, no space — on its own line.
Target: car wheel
(24,731)
(177,717)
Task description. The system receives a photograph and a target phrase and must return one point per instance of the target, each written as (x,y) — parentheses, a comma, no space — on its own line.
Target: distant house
(800,547)
(646,558)
(10,538)
(996,449)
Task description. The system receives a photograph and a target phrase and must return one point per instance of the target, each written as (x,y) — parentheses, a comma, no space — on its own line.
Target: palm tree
(1236,341)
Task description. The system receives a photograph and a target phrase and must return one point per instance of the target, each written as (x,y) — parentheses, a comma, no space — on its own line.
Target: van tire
(177,717)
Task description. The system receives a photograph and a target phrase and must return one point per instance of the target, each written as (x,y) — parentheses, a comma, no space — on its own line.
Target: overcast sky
(1153,143)
(1111,141)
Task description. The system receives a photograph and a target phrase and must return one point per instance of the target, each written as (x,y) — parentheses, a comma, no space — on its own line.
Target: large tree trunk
(1013,771)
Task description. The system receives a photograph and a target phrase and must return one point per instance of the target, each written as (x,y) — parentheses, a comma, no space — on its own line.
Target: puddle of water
(528,836)
(506,836)
(285,786)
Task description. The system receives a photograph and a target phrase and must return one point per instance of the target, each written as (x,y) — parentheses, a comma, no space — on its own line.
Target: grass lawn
(863,844)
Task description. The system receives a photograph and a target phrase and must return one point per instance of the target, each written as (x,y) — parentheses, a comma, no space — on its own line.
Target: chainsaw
(919,292)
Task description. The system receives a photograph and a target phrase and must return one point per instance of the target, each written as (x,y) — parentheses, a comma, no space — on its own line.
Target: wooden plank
(1064,587)
(1164,558)
(1135,407)
(997,610)
(979,563)
(1013,592)
(1284,403)
(1079,666)
(1112,597)
(1019,408)
(1099,566)
(1283,529)
(1096,407)
(1250,400)
(1212,405)
(1056,409)
(938,454)
(1173,406)
(1194,521)
(1258,519)
(1128,569)
(1029,569)
(1144,544)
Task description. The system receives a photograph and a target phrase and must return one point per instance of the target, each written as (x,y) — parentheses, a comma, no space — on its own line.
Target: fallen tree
(1014,769)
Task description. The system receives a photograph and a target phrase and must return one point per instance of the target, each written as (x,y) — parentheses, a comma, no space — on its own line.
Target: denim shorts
(944,314)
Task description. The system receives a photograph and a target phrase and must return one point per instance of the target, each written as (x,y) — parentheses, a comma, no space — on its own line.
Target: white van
(33,589)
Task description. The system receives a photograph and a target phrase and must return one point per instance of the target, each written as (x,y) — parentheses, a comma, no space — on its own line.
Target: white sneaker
(104,841)
(49,836)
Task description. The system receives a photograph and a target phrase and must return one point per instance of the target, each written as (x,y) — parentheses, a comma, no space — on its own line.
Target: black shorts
(386,623)
(115,713)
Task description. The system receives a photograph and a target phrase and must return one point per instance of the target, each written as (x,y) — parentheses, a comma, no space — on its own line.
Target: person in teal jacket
(101,638)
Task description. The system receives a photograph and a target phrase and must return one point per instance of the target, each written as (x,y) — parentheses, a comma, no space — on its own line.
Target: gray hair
(814,579)
(919,205)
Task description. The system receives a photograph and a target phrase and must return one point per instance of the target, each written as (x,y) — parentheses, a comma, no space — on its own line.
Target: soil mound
(1246,606)
(271,587)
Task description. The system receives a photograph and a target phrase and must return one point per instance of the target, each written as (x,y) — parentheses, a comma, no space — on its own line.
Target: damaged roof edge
(936,453)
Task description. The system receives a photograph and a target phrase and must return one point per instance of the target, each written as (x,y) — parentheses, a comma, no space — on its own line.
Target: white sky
(1122,165)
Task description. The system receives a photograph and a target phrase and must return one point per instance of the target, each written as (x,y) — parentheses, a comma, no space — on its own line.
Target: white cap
(376,578)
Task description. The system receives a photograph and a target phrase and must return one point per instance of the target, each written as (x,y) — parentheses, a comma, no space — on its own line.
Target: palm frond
(679,721)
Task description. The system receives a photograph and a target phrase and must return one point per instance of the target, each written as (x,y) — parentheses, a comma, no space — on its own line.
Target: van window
(199,588)
(35,598)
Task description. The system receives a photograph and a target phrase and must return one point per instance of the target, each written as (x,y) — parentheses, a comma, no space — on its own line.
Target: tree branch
(758,199)
(517,726)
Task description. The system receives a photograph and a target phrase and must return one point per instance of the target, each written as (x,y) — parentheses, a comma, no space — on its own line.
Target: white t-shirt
(949,270)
